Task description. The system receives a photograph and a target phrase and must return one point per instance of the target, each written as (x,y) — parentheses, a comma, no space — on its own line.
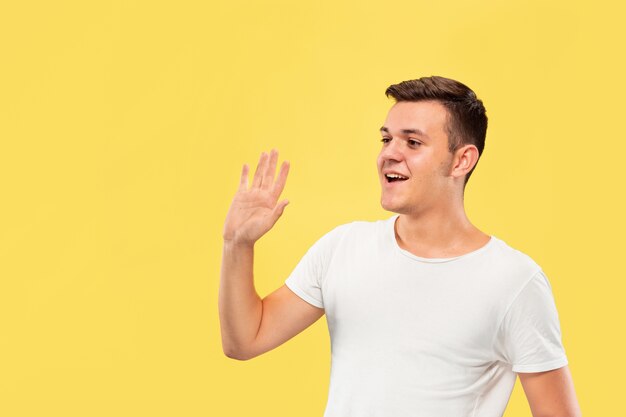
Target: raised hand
(253,212)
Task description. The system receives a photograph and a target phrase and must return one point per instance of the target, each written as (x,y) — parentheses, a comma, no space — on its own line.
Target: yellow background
(124,126)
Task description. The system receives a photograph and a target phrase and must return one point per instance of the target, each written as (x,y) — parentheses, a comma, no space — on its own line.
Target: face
(415,146)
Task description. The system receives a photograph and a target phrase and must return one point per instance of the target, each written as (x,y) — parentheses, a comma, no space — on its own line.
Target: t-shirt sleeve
(307,277)
(529,337)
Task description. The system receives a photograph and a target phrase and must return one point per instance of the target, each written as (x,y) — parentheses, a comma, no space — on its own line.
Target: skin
(432,223)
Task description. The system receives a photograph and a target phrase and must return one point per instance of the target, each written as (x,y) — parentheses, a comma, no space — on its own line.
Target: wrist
(235,243)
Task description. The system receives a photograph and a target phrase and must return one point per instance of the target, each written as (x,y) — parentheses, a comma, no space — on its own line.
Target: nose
(392,150)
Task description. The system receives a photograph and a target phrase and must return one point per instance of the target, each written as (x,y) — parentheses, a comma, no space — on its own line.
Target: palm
(254,211)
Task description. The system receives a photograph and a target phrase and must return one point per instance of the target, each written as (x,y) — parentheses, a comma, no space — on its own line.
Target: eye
(411,141)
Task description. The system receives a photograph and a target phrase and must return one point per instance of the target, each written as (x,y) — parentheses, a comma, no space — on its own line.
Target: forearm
(240,307)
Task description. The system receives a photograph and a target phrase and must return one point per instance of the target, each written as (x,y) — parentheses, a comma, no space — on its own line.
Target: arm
(250,326)
(285,315)
(239,304)
(252,213)
(551,393)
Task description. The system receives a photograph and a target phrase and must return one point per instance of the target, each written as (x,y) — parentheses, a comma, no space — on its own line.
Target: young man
(428,315)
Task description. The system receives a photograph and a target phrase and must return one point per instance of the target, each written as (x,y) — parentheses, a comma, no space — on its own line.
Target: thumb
(278,210)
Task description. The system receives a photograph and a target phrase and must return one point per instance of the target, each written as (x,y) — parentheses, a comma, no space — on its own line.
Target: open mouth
(394,178)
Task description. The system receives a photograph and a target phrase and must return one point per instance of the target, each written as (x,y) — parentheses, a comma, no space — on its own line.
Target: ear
(465,158)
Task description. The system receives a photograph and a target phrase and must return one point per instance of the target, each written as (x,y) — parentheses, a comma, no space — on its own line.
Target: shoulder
(358,227)
(517,266)
(365,231)
(513,254)
(354,232)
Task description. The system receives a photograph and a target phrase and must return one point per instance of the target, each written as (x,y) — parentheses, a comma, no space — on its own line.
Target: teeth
(395,176)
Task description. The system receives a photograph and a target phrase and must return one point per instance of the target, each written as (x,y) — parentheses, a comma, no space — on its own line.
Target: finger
(268,178)
(243,182)
(278,210)
(260,168)
(282,179)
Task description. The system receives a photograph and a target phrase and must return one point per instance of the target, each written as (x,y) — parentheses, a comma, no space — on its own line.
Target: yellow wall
(123,129)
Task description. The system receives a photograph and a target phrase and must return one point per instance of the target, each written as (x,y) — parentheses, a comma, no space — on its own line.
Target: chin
(390,207)
(396,207)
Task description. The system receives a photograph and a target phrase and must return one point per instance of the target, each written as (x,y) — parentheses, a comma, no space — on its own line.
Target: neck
(438,231)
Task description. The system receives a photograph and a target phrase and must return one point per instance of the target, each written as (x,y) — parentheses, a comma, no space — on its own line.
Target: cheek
(446,166)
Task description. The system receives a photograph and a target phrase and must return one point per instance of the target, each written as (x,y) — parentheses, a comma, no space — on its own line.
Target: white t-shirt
(426,337)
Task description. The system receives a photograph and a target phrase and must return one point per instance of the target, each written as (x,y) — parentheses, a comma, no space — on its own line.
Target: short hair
(466,121)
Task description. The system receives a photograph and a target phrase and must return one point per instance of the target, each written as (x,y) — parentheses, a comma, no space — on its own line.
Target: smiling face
(415,146)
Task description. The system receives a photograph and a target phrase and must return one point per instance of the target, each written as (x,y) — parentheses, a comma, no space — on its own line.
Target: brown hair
(467,118)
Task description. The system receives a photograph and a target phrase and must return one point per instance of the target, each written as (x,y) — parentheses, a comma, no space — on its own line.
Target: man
(428,315)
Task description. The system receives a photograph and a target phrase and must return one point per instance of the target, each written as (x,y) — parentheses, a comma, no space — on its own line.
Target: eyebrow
(407,132)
